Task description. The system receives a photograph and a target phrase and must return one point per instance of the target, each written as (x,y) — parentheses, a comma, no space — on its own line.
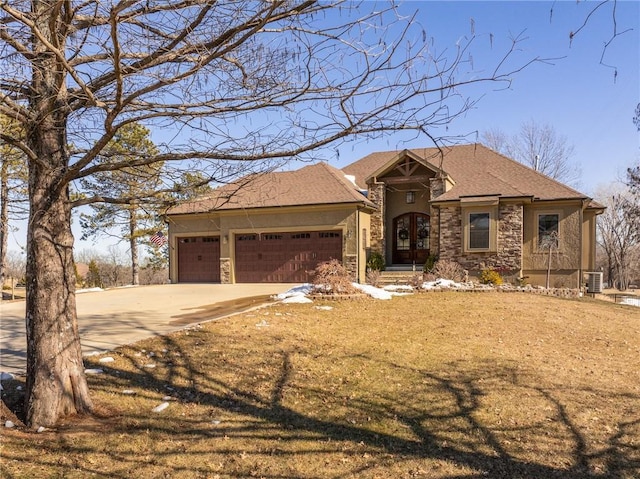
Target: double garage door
(284,257)
(259,258)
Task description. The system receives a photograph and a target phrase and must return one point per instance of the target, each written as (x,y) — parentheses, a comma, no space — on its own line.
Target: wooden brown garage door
(284,257)
(199,259)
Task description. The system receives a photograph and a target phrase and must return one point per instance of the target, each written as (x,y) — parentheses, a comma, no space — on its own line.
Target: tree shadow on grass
(443,417)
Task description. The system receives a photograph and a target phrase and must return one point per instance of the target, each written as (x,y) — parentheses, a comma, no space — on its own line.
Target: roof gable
(311,185)
(406,163)
(476,171)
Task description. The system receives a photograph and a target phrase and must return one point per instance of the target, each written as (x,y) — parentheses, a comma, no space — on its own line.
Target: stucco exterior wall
(347,218)
(589,219)
(566,260)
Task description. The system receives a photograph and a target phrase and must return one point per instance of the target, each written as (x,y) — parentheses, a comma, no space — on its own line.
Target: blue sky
(574,93)
(582,99)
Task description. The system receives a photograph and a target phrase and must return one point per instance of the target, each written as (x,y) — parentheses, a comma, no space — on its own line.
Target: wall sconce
(348,234)
(225,239)
(411,197)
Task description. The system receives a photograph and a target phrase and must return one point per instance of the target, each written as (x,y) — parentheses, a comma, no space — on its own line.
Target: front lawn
(433,385)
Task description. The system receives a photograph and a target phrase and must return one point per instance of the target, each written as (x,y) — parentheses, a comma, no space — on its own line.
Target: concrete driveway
(112,318)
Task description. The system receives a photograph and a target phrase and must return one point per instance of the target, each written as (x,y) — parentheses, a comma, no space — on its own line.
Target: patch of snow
(107,359)
(324,308)
(149,366)
(298,294)
(160,407)
(262,324)
(630,301)
(9,424)
(128,392)
(299,298)
(376,293)
(399,287)
(296,291)
(168,398)
(441,283)
(41,429)
(93,371)
(6,376)
(89,290)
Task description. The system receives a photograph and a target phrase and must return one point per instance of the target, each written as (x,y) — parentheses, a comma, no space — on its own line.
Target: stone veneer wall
(351,264)
(451,234)
(377,195)
(508,258)
(225,270)
(436,188)
(510,238)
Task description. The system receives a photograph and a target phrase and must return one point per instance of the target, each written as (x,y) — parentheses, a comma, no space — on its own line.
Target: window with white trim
(548,230)
(480,229)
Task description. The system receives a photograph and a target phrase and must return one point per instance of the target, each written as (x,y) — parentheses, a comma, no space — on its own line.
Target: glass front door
(411,238)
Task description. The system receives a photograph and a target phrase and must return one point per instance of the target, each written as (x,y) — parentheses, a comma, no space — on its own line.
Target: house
(465,203)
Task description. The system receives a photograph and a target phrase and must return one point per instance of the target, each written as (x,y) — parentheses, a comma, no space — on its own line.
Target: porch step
(390,276)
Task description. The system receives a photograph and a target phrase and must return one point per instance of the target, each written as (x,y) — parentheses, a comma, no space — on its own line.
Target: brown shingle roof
(312,185)
(476,171)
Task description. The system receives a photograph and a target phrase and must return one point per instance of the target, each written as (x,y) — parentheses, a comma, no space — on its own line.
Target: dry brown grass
(440,385)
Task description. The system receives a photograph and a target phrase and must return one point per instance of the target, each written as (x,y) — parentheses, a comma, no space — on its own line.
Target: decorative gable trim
(402,162)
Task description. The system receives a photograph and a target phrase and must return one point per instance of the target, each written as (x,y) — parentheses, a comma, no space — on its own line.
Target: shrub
(375,262)
(430,263)
(490,276)
(331,277)
(373,277)
(447,269)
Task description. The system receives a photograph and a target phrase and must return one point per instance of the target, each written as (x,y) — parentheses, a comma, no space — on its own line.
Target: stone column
(377,195)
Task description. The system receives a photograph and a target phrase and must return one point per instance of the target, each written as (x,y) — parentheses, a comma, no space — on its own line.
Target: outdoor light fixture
(411,197)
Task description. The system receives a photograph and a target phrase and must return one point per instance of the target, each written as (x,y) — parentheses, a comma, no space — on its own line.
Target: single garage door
(199,259)
(284,257)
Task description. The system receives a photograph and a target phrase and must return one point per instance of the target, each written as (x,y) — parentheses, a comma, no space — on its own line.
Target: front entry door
(411,238)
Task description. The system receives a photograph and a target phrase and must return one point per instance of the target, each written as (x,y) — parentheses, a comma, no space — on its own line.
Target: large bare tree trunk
(56,384)
(4,220)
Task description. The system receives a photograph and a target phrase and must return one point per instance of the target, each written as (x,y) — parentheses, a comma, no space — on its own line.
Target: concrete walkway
(112,318)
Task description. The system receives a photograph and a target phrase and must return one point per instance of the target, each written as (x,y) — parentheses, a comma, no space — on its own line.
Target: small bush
(376,262)
(490,276)
(373,277)
(331,277)
(430,263)
(447,269)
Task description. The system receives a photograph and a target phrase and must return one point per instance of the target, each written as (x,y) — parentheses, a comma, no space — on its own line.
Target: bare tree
(540,147)
(130,221)
(12,190)
(231,86)
(617,234)
(14,269)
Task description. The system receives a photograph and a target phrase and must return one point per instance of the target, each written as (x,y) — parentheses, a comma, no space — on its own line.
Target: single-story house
(464,203)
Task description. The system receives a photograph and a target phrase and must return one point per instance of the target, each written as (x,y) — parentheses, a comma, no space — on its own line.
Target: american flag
(158,239)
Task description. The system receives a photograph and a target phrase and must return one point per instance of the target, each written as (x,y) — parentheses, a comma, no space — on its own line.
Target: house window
(548,230)
(479,230)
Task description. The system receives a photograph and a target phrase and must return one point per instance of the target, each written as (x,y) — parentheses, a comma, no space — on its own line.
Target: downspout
(357,239)
(581,269)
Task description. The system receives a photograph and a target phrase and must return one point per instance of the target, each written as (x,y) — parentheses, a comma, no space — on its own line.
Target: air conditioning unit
(594,282)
